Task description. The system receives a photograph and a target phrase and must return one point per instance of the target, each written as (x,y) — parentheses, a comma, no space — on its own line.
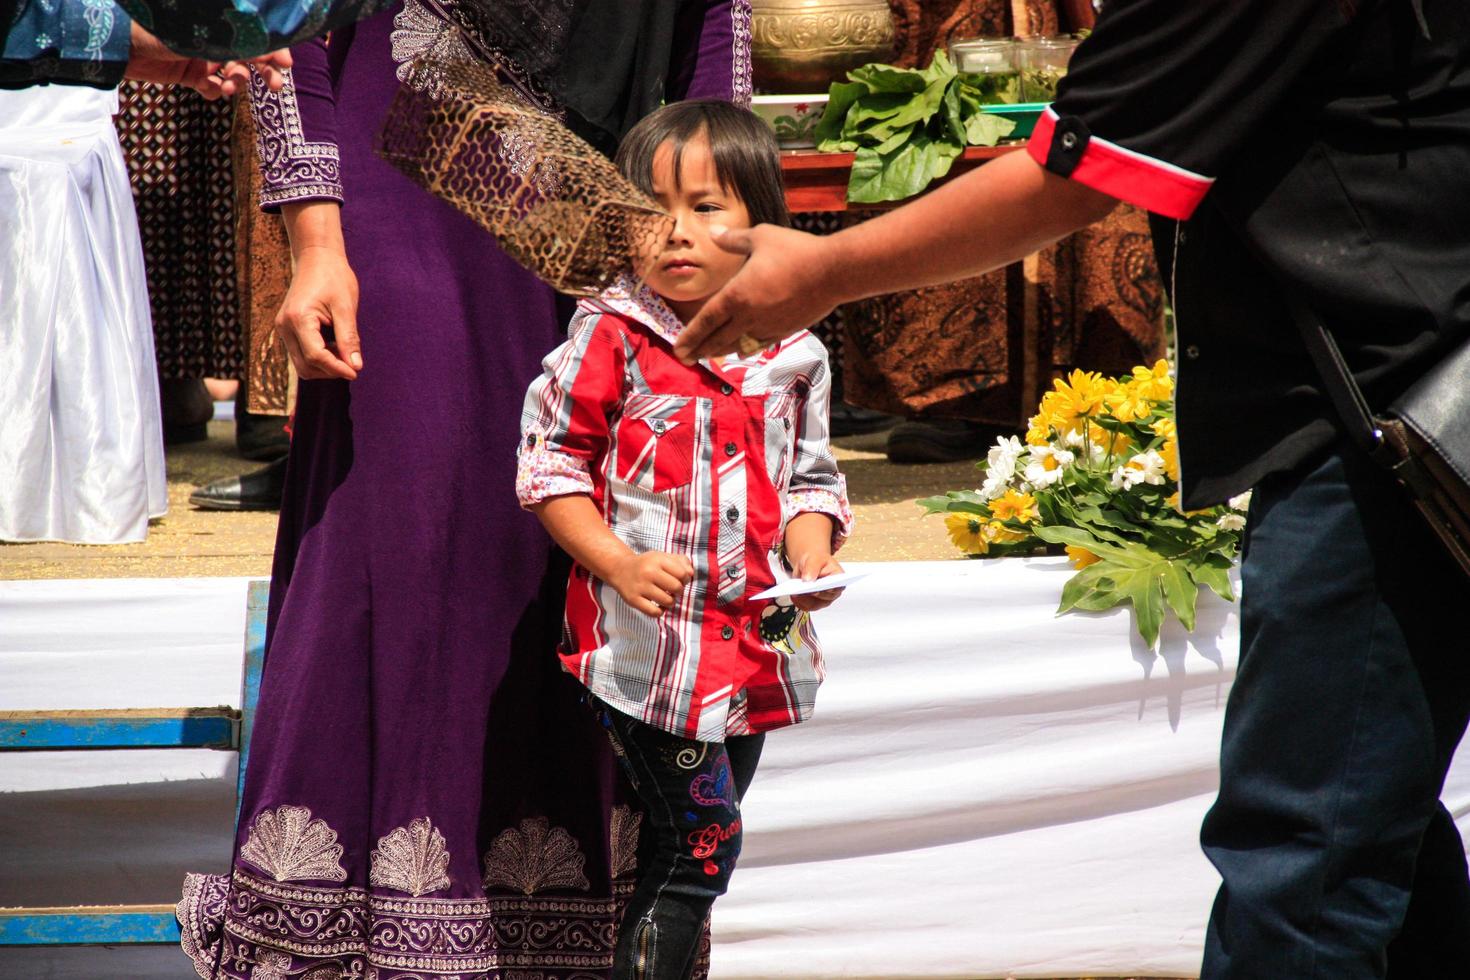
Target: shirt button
(728,633)
(1192,352)
(1069,141)
(732,514)
(731,449)
(726,390)
(659,426)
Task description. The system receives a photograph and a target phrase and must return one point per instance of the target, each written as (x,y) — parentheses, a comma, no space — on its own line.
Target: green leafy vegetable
(907,126)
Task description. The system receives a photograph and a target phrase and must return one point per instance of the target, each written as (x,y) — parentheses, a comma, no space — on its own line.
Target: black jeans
(691,791)
(1353,690)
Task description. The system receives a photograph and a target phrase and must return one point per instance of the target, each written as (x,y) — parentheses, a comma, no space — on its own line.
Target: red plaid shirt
(709,462)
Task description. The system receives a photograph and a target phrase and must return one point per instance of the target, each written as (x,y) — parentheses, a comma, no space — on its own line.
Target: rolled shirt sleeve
(81,42)
(817,487)
(565,419)
(1164,95)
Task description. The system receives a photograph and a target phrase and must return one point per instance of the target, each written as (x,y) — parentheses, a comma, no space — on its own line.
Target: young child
(680,492)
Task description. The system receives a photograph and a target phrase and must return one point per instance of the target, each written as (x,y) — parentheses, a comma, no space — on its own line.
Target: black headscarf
(604,62)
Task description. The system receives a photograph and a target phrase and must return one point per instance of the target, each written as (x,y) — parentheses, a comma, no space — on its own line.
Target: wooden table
(817,181)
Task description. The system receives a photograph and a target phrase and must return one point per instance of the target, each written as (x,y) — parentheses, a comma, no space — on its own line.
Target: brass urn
(805,45)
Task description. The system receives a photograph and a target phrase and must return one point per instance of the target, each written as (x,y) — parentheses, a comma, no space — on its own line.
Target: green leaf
(987,129)
(887,78)
(954,116)
(919,110)
(934,505)
(840,98)
(1091,589)
(1146,590)
(871,110)
(941,68)
(1128,556)
(1180,592)
(900,173)
(1214,574)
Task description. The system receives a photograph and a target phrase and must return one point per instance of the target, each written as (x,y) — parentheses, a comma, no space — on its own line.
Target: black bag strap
(1346,396)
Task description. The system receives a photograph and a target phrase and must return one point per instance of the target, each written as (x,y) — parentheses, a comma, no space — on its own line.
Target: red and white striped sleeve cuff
(1066,148)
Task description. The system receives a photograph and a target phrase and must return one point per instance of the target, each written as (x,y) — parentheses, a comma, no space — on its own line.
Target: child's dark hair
(744,149)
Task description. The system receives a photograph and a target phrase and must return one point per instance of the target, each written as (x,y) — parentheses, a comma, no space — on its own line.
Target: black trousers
(691,792)
(1338,860)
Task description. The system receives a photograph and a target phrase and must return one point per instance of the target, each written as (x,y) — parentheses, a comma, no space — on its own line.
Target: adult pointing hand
(986,219)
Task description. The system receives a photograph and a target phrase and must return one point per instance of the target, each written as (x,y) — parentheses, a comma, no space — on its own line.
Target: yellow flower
(1081,396)
(967,531)
(1015,506)
(1039,433)
(1170,452)
(1154,383)
(1128,404)
(1165,428)
(1116,442)
(998,533)
(1081,557)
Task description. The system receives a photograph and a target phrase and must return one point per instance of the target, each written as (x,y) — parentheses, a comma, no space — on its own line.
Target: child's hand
(650,581)
(810,567)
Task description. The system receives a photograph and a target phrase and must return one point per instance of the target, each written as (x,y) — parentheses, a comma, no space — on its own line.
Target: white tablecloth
(987,790)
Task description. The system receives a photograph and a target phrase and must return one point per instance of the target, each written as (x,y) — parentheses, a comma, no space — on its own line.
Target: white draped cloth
(81,438)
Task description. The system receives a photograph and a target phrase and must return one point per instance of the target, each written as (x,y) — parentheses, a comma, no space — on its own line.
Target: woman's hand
(318,318)
(784,287)
(150,61)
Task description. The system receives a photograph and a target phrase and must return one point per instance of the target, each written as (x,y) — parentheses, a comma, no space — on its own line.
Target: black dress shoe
(941,440)
(260,489)
(854,420)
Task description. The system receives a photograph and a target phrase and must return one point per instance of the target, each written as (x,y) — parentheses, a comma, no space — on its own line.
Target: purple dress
(426,795)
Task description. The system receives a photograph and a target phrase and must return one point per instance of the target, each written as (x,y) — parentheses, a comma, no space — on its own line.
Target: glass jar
(1042,61)
(990,65)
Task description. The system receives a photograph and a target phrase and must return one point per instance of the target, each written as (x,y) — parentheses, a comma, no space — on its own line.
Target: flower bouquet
(1098,475)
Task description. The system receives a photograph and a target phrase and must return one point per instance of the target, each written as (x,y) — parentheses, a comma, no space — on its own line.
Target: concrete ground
(189,542)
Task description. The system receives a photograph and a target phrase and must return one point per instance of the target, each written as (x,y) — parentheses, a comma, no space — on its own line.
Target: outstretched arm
(990,217)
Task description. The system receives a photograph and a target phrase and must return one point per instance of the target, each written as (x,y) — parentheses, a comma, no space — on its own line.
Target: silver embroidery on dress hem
(623,840)
(289,845)
(535,857)
(411,859)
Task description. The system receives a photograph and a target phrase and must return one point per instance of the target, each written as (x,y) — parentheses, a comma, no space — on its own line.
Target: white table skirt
(987,790)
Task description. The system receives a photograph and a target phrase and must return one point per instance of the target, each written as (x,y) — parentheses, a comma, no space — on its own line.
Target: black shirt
(1324,143)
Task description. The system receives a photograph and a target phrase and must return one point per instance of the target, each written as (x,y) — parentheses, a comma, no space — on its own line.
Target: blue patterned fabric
(86,42)
(76,41)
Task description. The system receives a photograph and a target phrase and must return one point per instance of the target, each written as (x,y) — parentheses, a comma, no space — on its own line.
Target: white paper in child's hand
(796,586)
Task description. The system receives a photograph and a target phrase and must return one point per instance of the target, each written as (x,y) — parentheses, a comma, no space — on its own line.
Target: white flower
(1003,456)
(995,485)
(1232,522)
(1241,503)
(1000,466)
(1047,466)
(1144,468)
(1040,477)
